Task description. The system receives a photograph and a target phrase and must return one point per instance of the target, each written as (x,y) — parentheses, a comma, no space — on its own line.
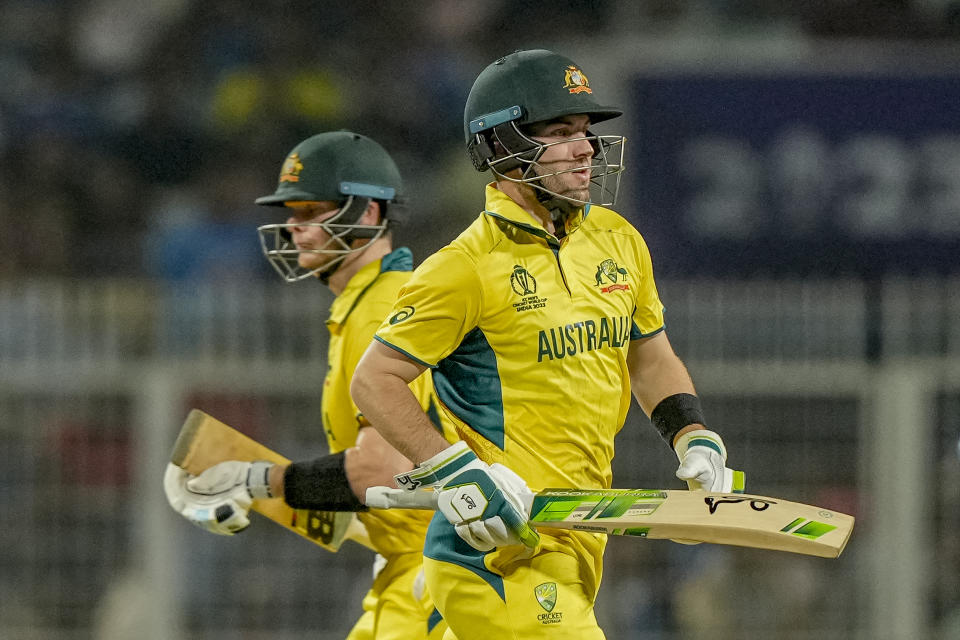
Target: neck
(526,197)
(374,250)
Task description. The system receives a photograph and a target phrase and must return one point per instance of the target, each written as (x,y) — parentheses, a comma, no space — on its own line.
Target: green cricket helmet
(337,166)
(527,87)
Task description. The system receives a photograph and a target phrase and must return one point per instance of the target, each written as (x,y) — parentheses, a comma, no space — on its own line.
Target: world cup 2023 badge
(522,282)
(525,285)
(546,594)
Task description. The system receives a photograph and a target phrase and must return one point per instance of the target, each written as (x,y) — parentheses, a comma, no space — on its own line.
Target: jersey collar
(400,259)
(500,205)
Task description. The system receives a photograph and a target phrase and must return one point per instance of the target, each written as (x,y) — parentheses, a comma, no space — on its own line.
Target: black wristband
(674,413)
(320,484)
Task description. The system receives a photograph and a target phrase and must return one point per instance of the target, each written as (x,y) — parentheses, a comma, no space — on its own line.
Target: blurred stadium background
(795,168)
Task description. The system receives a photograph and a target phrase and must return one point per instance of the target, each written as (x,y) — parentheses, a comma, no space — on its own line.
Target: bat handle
(390,498)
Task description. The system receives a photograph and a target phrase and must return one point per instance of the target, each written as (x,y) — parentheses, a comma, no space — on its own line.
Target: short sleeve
(648,310)
(437,307)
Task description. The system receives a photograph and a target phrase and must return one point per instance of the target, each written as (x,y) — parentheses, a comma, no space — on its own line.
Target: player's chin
(577,195)
(576,185)
(311,261)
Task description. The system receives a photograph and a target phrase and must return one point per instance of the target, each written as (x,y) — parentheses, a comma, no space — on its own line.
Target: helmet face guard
(528,87)
(276,241)
(339,167)
(524,152)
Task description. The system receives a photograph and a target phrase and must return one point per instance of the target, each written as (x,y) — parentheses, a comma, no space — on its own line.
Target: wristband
(674,413)
(258,480)
(320,484)
(436,470)
(701,438)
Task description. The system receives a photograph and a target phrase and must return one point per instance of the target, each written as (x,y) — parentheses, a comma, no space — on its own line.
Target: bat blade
(719,518)
(205,441)
(683,516)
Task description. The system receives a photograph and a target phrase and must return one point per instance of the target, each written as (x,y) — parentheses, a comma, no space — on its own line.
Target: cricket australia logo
(575,81)
(290,171)
(546,594)
(522,283)
(612,272)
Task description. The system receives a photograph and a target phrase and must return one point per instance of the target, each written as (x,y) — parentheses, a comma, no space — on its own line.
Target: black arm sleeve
(674,413)
(320,484)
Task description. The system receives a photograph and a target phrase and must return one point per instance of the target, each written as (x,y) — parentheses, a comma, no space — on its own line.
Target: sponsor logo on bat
(757,504)
(587,527)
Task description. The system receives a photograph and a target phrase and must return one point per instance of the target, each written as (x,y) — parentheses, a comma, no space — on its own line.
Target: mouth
(582,175)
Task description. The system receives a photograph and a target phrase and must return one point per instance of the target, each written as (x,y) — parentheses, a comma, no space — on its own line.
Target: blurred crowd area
(135,136)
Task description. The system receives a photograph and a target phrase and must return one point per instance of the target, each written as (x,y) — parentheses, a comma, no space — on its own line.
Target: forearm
(653,379)
(664,389)
(339,481)
(676,409)
(380,390)
(393,410)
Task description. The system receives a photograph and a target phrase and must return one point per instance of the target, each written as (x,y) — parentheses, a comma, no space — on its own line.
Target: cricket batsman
(340,194)
(537,323)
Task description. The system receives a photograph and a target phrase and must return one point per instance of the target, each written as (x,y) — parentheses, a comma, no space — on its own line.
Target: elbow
(359,385)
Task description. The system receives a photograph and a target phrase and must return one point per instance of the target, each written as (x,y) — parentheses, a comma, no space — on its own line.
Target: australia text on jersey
(586,335)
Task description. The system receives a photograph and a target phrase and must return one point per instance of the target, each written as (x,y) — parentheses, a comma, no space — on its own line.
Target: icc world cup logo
(522,282)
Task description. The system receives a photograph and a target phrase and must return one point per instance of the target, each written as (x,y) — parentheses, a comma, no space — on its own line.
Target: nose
(295,221)
(581,148)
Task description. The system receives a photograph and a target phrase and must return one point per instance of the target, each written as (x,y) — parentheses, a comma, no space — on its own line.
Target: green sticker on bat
(810,529)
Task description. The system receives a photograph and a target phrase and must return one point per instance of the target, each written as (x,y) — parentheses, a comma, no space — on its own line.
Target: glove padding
(703,460)
(483,502)
(219,499)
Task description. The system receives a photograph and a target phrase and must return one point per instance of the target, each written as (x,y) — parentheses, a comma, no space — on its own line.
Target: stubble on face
(569,185)
(564,166)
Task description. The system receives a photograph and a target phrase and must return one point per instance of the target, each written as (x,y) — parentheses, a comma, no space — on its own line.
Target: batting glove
(703,460)
(484,503)
(219,499)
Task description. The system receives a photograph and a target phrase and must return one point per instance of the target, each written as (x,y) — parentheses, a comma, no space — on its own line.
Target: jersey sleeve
(648,310)
(437,307)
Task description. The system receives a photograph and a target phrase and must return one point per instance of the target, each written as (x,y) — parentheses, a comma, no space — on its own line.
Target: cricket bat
(205,441)
(684,516)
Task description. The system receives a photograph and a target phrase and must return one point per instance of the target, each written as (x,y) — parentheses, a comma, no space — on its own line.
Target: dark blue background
(673,111)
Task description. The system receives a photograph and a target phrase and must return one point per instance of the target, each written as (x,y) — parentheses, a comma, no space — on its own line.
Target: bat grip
(390,498)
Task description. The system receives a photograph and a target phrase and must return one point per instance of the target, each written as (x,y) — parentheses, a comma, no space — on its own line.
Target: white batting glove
(484,503)
(703,460)
(219,499)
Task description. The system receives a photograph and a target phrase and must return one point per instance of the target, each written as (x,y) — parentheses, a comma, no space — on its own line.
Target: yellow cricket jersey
(527,336)
(354,317)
